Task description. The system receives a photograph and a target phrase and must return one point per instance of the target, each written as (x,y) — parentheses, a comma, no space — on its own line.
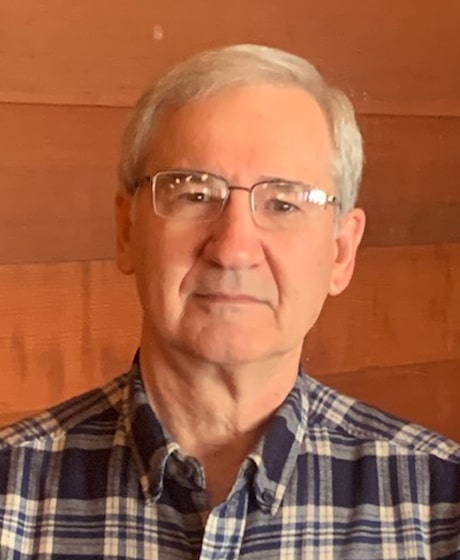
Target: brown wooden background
(69,72)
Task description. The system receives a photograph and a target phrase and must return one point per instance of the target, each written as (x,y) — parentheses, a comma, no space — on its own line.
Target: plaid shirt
(98,477)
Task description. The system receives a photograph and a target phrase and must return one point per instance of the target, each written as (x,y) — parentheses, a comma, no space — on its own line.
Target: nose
(234,239)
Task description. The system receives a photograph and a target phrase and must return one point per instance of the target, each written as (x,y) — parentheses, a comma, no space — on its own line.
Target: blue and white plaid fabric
(97,478)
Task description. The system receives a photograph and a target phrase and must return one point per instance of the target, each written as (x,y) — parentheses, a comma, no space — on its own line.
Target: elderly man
(239,174)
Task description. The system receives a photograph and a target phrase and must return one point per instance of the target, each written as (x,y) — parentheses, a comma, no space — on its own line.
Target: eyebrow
(281,179)
(259,179)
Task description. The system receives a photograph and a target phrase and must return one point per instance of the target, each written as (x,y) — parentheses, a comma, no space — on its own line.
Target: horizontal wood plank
(7,418)
(67,327)
(425,393)
(410,187)
(58,181)
(63,329)
(58,178)
(402,60)
(402,307)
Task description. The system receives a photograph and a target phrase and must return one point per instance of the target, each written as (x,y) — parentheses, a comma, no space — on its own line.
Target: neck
(215,412)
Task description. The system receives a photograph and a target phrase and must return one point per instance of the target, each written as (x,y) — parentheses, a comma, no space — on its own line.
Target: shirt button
(268,497)
(188,470)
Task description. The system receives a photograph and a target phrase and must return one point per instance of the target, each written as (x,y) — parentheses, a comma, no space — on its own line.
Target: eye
(194,196)
(192,188)
(279,206)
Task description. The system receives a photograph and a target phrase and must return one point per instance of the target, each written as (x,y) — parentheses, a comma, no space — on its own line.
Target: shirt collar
(277,452)
(274,457)
(150,442)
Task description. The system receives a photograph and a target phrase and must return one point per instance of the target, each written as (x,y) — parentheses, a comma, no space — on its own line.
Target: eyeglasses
(199,196)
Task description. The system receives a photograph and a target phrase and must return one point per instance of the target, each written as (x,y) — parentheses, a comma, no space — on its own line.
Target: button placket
(225,529)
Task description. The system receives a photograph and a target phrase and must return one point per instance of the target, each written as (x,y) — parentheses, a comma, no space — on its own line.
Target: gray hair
(214,70)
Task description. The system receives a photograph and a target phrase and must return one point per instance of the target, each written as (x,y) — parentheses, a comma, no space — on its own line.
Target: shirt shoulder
(61,419)
(346,418)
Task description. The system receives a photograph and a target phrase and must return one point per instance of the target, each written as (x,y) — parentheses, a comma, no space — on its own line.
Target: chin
(233,349)
(232,359)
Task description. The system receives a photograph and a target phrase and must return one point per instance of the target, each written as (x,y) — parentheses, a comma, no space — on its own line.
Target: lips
(229,298)
(232,287)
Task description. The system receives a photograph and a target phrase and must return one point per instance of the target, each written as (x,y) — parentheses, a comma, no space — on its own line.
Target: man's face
(228,291)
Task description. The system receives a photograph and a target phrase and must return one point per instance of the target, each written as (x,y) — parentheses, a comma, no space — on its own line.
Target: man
(239,175)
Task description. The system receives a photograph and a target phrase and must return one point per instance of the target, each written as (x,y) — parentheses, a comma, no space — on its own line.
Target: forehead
(258,129)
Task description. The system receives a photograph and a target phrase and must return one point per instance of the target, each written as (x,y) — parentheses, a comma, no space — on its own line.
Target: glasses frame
(330,199)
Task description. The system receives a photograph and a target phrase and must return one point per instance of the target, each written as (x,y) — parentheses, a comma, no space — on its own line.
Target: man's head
(236,275)
(236,65)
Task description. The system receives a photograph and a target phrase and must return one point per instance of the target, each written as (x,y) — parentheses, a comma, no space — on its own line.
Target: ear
(124,258)
(347,241)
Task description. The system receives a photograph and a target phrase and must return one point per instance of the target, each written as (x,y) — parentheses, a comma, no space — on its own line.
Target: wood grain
(67,327)
(63,329)
(58,181)
(393,61)
(410,185)
(58,178)
(7,418)
(402,307)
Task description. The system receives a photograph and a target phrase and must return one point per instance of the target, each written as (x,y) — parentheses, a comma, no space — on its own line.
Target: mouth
(229,298)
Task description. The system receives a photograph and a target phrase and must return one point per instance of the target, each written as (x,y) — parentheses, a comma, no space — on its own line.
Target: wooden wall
(69,71)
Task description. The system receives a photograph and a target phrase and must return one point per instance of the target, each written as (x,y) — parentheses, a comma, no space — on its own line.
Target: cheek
(148,269)
(310,259)
(163,259)
(314,277)
(304,276)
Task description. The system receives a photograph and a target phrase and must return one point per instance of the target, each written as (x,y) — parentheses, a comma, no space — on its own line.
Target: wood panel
(410,185)
(402,60)
(67,327)
(58,181)
(402,307)
(63,329)
(425,393)
(58,177)
(7,418)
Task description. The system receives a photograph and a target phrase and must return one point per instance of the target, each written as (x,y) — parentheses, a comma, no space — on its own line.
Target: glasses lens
(285,205)
(188,195)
